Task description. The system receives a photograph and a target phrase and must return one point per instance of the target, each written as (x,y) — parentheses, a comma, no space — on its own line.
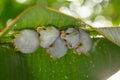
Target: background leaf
(112,33)
(17,6)
(54,3)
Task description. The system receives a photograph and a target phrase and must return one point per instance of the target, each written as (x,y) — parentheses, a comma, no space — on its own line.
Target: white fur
(48,36)
(85,41)
(58,49)
(72,38)
(27,41)
(77,39)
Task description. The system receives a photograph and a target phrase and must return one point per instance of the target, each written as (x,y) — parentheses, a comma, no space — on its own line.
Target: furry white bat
(27,41)
(72,36)
(58,49)
(78,39)
(85,42)
(47,35)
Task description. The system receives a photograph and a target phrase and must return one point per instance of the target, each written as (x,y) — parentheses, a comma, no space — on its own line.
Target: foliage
(101,63)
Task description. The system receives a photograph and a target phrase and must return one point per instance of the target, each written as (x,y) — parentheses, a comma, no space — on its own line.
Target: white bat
(71,35)
(58,49)
(27,41)
(77,39)
(85,42)
(47,35)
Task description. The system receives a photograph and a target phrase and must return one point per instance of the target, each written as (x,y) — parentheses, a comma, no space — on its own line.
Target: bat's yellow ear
(63,35)
(40,28)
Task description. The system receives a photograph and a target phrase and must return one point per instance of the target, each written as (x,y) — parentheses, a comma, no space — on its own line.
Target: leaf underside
(102,62)
(38,15)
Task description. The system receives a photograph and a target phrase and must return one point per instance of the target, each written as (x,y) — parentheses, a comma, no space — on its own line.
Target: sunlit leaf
(35,16)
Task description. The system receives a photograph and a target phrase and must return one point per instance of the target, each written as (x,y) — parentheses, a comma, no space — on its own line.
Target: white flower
(85,42)
(57,49)
(47,35)
(27,41)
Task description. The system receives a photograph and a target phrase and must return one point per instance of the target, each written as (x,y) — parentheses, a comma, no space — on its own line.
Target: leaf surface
(102,62)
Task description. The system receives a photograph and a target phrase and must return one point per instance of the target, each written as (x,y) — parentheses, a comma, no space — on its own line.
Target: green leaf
(37,16)
(102,62)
